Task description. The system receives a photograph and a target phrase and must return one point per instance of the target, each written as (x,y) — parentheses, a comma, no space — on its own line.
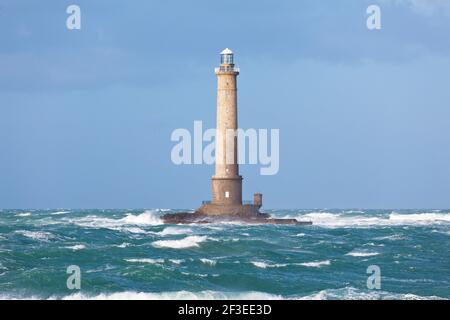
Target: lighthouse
(226,199)
(226,183)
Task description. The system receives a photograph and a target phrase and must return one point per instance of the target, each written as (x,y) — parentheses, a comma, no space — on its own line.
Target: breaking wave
(208,262)
(36,235)
(362,254)
(57,213)
(123,245)
(392,237)
(344,220)
(264,265)
(176,261)
(76,247)
(347,293)
(146,260)
(316,264)
(178,295)
(188,242)
(425,218)
(312,264)
(174,231)
(147,218)
(24,214)
(350,293)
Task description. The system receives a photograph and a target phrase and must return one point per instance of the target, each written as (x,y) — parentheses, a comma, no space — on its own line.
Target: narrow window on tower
(227,194)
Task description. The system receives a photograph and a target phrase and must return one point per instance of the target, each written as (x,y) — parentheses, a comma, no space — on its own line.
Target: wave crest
(178,295)
(147,218)
(347,293)
(208,262)
(174,231)
(345,220)
(188,242)
(316,264)
(350,293)
(146,260)
(36,235)
(264,265)
(129,223)
(362,254)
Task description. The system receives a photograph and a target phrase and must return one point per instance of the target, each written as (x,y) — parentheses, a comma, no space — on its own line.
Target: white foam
(392,237)
(176,261)
(350,293)
(76,247)
(57,213)
(146,260)
(133,230)
(213,227)
(177,295)
(123,245)
(174,231)
(342,220)
(101,269)
(422,218)
(129,223)
(188,242)
(209,262)
(36,235)
(24,214)
(354,211)
(362,254)
(264,265)
(335,220)
(259,264)
(316,264)
(371,244)
(347,293)
(147,218)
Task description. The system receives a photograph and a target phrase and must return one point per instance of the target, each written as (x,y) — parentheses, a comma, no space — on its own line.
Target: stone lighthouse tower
(226,183)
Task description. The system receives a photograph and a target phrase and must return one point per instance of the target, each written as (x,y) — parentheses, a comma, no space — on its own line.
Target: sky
(86,115)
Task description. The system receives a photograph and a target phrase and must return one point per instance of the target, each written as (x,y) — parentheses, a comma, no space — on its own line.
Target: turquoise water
(131,254)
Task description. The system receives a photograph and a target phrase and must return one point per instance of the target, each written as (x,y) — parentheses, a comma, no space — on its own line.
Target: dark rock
(196,217)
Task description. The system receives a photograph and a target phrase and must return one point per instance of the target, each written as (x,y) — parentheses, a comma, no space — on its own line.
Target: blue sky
(86,116)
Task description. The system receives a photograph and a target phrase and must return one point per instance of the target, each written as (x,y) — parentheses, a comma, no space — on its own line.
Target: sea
(132,254)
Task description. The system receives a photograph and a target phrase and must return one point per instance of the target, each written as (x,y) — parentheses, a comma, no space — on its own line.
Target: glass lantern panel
(227,59)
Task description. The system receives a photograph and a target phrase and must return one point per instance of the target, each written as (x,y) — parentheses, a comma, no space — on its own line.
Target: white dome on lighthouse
(226,51)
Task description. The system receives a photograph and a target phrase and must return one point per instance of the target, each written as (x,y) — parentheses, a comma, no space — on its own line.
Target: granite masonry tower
(226,182)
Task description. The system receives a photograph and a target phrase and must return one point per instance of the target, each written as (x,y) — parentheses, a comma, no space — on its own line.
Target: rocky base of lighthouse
(246,210)
(213,213)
